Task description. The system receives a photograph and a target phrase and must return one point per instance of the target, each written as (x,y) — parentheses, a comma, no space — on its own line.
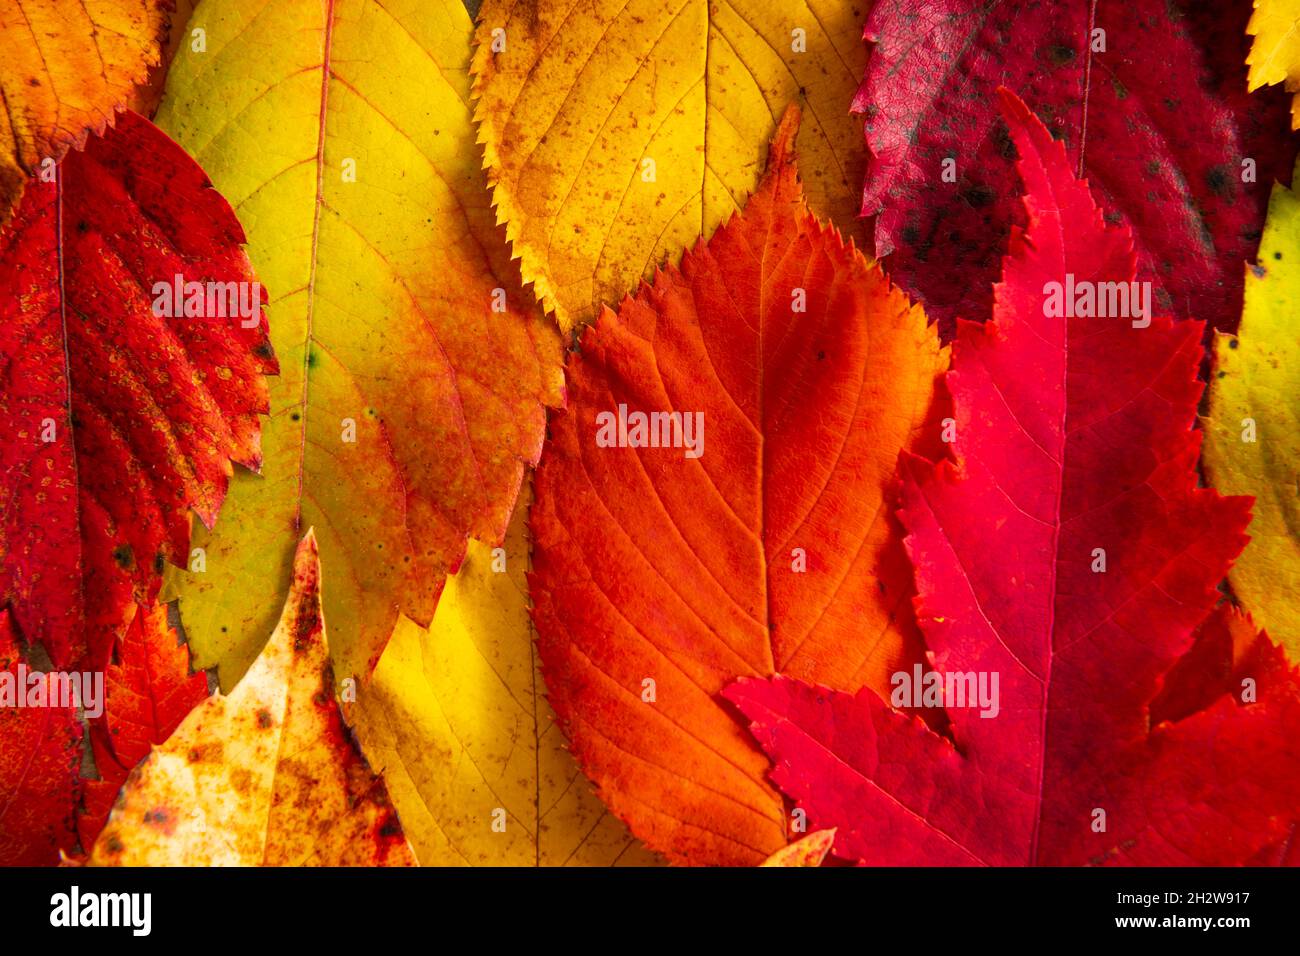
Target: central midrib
(315,243)
(1056,561)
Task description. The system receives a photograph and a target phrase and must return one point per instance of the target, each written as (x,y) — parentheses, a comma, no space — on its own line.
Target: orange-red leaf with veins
(769,547)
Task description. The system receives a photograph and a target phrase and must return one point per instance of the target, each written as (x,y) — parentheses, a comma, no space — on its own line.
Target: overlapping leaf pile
(794,552)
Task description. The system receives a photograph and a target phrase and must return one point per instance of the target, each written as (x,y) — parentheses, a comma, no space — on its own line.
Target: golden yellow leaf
(1275,52)
(1252,432)
(616,133)
(456,721)
(265,776)
(64,69)
(415,374)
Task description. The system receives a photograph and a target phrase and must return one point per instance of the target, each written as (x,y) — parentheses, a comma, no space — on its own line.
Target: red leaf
(1072,435)
(929,96)
(40,749)
(120,421)
(1227,649)
(149,691)
(772,550)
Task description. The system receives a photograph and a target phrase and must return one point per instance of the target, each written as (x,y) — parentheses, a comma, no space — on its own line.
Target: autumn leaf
(64,69)
(456,721)
(415,374)
(1252,443)
(121,417)
(616,134)
(760,543)
(149,94)
(1062,565)
(1275,50)
(40,749)
(1149,97)
(148,691)
(807,851)
(1227,656)
(265,776)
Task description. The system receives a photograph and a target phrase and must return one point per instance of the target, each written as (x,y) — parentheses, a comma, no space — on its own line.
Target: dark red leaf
(1160,119)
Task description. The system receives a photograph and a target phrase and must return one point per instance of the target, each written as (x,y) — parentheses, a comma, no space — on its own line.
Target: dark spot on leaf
(1002,141)
(978,196)
(124,556)
(1217,179)
(1060,54)
(264,718)
(1232,343)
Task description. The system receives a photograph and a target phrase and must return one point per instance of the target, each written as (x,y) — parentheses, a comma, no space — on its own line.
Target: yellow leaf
(456,721)
(807,851)
(64,69)
(616,133)
(265,776)
(1275,52)
(407,405)
(1252,441)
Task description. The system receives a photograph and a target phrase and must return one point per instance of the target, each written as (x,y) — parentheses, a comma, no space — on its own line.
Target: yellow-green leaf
(456,721)
(266,776)
(616,133)
(408,402)
(1252,441)
(1275,52)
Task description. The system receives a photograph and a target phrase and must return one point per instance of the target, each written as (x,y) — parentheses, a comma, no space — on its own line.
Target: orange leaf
(64,69)
(763,543)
